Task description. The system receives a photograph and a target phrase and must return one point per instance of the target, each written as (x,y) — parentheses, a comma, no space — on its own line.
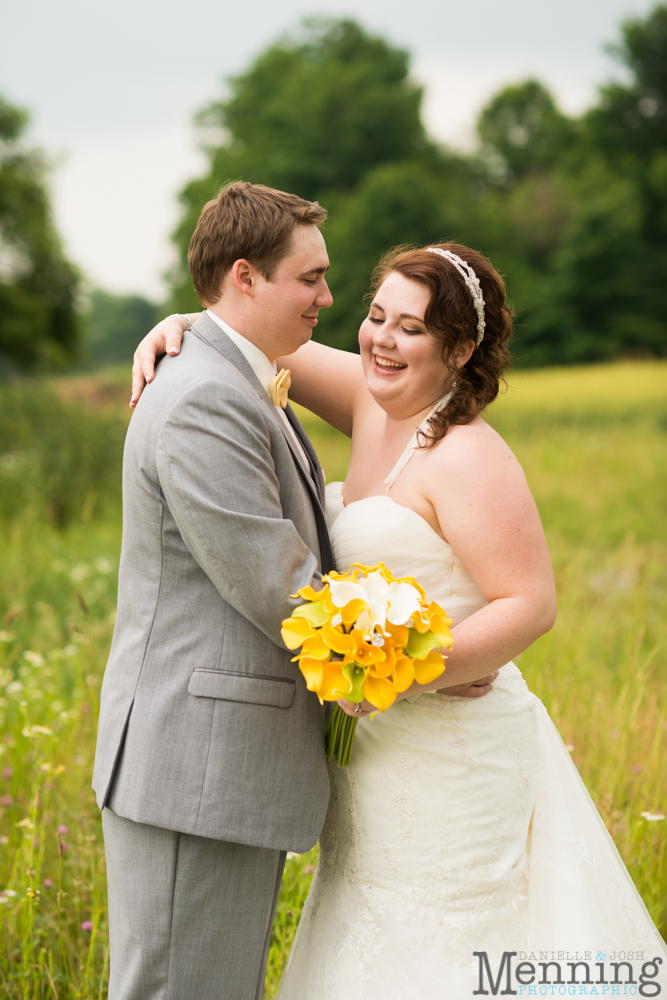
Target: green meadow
(593,443)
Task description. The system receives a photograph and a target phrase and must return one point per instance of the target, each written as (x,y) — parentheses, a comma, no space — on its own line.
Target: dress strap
(413,444)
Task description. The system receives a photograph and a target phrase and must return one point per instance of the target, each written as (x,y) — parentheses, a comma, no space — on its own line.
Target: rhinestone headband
(472,281)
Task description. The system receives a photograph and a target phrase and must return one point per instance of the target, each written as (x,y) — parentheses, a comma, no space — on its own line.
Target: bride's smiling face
(402,361)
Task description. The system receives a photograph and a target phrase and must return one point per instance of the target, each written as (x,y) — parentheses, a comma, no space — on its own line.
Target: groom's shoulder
(198,372)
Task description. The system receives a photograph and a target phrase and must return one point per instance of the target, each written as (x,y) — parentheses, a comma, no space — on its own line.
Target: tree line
(571,210)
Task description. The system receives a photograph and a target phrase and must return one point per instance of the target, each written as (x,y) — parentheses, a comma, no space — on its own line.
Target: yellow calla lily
(365,653)
(379,692)
(385,668)
(399,633)
(309,594)
(352,610)
(404,674)
(313,671)
(335,684)
(420,622)
(338,641)
(295,630)
(316,647)
(440,624)
(429,667)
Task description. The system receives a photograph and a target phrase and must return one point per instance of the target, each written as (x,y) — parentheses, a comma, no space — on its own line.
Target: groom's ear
(244,276)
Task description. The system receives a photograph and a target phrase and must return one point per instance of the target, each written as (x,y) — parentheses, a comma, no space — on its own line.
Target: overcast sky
(112,88)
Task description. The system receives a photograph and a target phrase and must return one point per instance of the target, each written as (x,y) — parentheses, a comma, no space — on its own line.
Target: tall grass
(592,442)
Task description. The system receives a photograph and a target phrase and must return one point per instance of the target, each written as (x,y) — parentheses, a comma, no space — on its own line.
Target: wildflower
(15,687)
(48,883)
(6,636)
(87,925)
(31,656)
(309,869)
(26,824)
(9,892)
(569,747)
(653,817)
(6,801)
(70,651)
(32,893)
(4,840)
(103,565)
(79,572)
(33,731)
(62,830)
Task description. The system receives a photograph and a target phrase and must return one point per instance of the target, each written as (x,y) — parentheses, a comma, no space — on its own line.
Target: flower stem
(340,737)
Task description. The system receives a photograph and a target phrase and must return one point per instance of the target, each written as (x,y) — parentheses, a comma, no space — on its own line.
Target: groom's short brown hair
(248,221)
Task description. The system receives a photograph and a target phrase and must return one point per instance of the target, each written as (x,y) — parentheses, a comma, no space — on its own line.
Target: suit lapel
(208,331)
(316,469)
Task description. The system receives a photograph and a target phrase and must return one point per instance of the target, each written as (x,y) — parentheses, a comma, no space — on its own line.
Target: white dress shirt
(265,371)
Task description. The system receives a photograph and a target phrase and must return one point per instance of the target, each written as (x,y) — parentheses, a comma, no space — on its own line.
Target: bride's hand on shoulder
(164,338)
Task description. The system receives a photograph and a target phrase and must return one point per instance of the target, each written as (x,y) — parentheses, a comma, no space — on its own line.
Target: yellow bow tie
(279,387)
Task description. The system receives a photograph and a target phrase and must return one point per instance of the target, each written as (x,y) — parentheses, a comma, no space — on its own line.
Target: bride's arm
(164,338)
(328,382)
(487,514)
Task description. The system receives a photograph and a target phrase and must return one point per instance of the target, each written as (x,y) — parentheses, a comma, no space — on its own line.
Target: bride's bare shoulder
(474,449)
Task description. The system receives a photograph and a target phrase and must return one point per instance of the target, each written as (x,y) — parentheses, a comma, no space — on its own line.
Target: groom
(210,758)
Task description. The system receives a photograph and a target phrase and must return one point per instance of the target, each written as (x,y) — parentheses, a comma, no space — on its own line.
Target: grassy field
(593,443)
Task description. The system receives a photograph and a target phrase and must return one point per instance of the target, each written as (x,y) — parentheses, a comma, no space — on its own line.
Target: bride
(461,840)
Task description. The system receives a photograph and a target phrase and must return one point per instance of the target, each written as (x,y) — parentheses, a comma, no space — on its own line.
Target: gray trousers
(189,917)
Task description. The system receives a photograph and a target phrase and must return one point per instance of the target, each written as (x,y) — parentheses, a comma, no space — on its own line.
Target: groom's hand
(477,689)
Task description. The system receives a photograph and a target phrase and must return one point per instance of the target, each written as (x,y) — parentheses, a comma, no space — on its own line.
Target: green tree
(313,115)
(629,124)
(396,203)
(522,131)
(38,320)
(115,325)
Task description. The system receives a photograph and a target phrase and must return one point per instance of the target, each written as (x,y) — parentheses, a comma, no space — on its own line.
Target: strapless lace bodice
(378,529)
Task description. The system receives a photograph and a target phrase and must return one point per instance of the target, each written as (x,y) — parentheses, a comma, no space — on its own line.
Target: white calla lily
(378,612)
(344,591)
(404,602)
(374,585)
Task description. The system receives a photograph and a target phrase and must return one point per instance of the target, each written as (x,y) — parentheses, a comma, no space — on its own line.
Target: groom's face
(288,305)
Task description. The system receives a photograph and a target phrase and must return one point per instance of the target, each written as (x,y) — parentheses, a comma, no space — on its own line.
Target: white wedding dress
(460,826)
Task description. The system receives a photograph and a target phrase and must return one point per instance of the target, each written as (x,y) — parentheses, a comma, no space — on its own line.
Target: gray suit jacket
(206,726)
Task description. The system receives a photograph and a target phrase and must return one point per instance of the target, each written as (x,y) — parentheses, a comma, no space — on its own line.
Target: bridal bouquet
(365,635)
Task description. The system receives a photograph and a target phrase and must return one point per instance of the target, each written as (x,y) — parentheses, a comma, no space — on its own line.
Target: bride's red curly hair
(451,316)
